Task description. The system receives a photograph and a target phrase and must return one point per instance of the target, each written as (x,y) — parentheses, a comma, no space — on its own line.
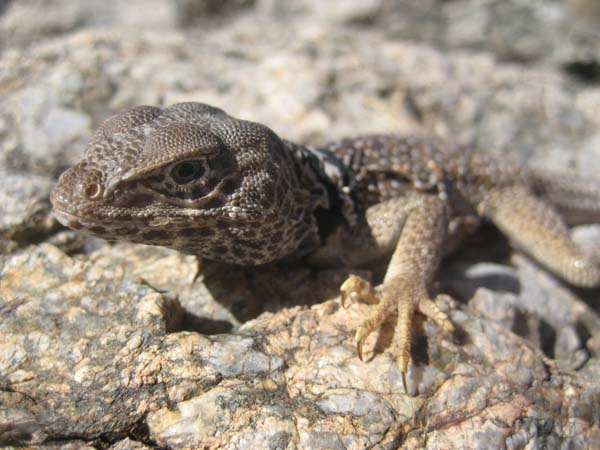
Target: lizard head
(189,177)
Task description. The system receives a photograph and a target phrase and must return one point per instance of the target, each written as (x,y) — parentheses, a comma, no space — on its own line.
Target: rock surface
(124,346)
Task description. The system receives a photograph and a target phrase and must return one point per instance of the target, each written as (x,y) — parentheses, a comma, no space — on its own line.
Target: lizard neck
(330,183)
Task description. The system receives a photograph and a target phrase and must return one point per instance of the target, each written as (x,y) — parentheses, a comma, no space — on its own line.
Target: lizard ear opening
(93,191)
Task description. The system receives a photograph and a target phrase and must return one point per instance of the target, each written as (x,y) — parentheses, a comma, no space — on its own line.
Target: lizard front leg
(416,227)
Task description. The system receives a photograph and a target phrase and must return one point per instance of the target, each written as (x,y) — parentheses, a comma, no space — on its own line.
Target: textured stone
(24,206)
(125,346)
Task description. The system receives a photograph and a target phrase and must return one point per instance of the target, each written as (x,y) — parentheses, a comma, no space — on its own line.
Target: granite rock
(125,346)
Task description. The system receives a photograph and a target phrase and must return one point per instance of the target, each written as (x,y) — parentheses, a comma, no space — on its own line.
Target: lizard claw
(402,363)
(347,295)
(359,339)
(359,352)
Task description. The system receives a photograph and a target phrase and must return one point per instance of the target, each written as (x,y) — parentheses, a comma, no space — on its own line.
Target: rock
(129,444)
(123,346)
(90,332)
(73,338)
(318,85)
(21,23)
(24,207)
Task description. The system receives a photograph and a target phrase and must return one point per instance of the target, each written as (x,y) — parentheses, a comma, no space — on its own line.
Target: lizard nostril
(93,191)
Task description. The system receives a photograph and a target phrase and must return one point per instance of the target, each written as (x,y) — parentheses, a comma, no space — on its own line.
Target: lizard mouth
(67,219)
(79,218)
(61,212)
(114,227)
(95,218)
(77,221)
(64,217)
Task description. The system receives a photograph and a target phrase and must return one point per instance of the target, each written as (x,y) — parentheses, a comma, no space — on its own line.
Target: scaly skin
(192,178)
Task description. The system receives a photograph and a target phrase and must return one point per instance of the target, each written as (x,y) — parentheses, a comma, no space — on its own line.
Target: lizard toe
(395,297)
(356,288)
(430,310)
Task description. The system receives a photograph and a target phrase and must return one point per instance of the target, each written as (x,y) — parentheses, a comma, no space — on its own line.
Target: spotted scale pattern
(193,178)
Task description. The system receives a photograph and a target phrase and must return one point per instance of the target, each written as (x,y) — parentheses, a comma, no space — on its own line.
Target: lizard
(193,178)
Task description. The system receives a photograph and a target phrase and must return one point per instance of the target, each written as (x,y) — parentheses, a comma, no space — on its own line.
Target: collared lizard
(195,179)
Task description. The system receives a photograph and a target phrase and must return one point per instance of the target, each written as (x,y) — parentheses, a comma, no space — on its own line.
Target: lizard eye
(187,171)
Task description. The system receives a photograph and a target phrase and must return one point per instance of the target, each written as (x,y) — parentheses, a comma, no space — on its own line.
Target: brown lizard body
(192,178)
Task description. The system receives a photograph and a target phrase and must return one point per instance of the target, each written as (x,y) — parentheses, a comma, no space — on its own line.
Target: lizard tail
(576,199)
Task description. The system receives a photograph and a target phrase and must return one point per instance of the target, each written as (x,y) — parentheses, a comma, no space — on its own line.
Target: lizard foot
(390,296)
